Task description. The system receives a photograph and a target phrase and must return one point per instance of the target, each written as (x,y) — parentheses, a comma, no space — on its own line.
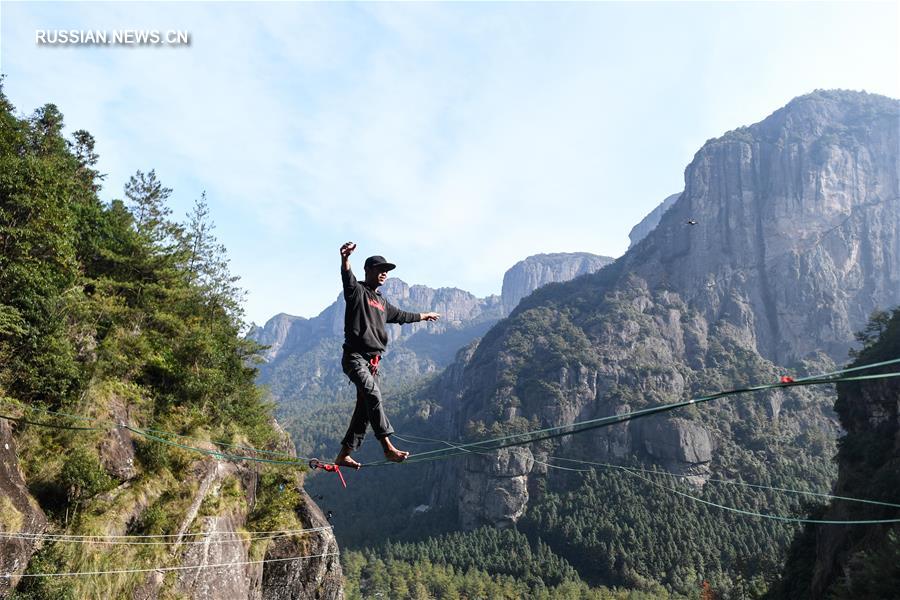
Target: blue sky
(453,138)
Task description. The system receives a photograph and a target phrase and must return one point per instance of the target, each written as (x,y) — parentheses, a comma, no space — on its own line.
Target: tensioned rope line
(749,513)
(111,425)
(53,425)
(636,472)
(175,535)
(667,473)
(763,515)
(581,426)
(236,457)
(121,542)
(728,482)
(454,450)
(179,568)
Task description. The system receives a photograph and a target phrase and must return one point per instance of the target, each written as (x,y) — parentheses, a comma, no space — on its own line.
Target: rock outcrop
(221,496)
(116,448)
(828,561)
(537,271)
(317,578)
(649,223)
(495,488)
(19,514)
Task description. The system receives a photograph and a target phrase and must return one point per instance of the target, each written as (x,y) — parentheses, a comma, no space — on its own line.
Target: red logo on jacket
(376,304)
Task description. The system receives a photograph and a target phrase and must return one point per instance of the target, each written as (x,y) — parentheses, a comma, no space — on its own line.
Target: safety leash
(315,463)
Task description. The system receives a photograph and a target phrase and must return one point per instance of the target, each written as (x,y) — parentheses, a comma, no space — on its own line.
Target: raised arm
(347,277)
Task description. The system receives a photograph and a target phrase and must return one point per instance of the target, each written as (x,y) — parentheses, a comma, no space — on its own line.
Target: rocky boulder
(676,439)
(494,490)
(316,578)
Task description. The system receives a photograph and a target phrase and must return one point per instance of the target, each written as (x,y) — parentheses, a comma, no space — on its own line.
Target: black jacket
(366,313)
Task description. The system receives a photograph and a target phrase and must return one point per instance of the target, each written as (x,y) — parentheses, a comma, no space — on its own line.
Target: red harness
(315,463)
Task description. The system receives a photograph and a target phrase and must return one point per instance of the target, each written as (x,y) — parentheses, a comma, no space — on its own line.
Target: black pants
(369,407)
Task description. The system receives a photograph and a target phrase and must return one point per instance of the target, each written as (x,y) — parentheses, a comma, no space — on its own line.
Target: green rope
(213,453)
(728,482)
(109,425)
(579,427)
(763,515)
(652,472)
(635,472)
(51,425)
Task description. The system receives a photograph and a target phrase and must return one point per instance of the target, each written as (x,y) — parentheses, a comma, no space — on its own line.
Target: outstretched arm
(395,315)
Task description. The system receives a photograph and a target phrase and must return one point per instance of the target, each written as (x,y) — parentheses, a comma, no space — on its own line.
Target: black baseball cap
(379,263)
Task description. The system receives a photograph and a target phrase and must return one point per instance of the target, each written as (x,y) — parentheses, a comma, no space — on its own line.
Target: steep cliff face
(649,223)
(280,333)
(537,271)
(794,240)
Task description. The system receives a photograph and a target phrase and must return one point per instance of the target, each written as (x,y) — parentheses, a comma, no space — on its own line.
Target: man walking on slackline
(364,341)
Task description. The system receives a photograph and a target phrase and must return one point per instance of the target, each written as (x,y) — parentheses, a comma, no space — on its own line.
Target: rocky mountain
(797,241)
(794,241)
(649,223)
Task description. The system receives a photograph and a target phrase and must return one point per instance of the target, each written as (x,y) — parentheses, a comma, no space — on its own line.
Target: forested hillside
(121,360)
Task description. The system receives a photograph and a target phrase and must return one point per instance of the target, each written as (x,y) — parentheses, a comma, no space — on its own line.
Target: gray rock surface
(219,545)
(19,513)
(537,271)
(318,578)
(676,440)
(225,569)
(494,490)
(798,221)
(116,447)
(649,223)
(279,333)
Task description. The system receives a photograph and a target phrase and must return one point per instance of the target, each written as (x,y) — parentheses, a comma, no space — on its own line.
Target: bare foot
(394,455)
(345,460)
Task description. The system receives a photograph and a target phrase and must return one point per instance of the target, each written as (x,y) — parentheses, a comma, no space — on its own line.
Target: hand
(347,249)
(430,316)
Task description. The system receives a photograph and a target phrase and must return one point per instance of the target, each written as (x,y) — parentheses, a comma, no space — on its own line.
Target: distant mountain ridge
(457,307)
